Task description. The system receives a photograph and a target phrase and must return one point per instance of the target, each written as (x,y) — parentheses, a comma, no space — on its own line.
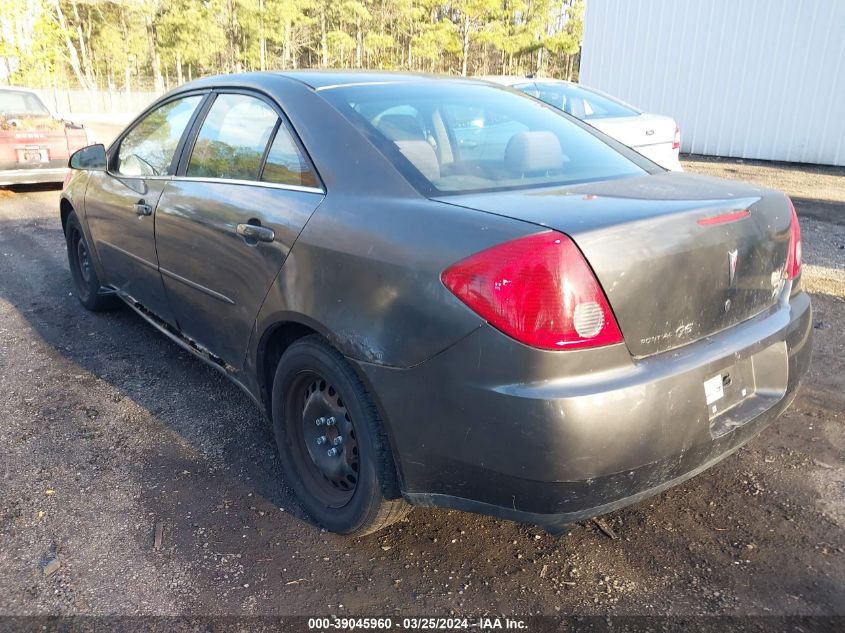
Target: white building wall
(745,78)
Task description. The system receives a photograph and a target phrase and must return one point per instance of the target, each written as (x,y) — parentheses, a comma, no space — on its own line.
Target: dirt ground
(108,430)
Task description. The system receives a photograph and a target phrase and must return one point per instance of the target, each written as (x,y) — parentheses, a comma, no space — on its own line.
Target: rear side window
(285,163)
(232,139)
(148,149)
(582,103)
(14,102)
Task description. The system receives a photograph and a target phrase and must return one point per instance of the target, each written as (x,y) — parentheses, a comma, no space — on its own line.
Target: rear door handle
(255,233)
(141,208)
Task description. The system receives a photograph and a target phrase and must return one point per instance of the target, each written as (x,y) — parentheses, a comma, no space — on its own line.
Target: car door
(120,203)
(228,219)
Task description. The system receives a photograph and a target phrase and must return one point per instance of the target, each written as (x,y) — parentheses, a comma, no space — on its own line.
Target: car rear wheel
(85,279)
(334,449)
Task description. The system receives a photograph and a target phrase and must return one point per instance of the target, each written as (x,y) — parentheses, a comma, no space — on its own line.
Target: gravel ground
(135,480)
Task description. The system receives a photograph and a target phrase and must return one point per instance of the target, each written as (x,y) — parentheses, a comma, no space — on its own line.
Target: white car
(655,136)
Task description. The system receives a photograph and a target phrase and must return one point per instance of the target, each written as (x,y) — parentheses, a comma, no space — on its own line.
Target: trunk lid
(673,270)
(37,141)
(636,131)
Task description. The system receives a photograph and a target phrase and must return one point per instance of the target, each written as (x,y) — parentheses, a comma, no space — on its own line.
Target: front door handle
(253,233)
(141,208)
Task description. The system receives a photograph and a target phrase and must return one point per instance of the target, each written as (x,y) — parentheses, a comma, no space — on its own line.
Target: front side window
(148,149)
(232,139)
(456,137)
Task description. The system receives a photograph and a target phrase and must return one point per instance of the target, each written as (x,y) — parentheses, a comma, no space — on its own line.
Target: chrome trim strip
(251,183)
(132,256)
(196,286)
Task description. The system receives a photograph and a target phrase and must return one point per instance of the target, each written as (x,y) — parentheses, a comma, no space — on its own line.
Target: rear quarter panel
(365,272)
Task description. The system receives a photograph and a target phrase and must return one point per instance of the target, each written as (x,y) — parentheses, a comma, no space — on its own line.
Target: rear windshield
(13,102)
(581,102)
(454,137)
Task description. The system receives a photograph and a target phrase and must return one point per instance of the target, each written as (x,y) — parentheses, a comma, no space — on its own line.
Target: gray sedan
(444,293)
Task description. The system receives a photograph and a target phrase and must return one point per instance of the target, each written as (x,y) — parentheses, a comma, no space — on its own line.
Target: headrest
(575,107)
(400,127)
(533,151)
(422,156)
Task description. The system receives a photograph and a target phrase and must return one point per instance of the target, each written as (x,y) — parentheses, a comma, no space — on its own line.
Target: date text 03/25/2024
(484,623)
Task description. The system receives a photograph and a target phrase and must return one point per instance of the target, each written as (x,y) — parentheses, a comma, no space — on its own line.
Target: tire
(85,279)
(356,491)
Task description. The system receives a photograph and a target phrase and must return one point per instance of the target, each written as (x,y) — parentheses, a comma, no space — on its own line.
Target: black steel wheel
(333,445)
(328,437)
(85,279)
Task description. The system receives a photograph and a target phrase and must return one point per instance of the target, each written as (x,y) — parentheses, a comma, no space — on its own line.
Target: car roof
(505,80)
(512,80)
(18,89)
(314,79)
(322,79)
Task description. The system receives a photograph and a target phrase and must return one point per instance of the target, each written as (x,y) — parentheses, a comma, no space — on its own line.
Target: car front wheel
(334,449)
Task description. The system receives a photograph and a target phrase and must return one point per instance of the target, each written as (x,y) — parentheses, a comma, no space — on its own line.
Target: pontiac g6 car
(540,325)
(34,143)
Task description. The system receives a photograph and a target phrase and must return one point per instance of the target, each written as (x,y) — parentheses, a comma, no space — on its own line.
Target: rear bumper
(31,176)
(494,427)
(662,154)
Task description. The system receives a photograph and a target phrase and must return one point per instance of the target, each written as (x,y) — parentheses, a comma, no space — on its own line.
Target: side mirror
(92,157)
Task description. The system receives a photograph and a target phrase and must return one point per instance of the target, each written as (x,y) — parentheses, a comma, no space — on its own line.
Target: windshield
(580,102)
(455,137)
(13,102)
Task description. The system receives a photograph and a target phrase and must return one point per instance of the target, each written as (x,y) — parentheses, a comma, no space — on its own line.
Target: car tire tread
(383,505)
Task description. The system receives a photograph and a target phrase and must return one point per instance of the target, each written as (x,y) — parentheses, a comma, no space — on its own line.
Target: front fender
(73,199)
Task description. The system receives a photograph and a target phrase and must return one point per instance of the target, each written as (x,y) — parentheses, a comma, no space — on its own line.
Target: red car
(34,143)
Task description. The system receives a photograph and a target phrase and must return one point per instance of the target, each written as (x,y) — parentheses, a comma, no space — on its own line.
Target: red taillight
(537,289)
(676,142)
(793,257)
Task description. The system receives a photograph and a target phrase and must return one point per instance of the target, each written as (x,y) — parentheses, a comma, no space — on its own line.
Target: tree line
(156,44)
